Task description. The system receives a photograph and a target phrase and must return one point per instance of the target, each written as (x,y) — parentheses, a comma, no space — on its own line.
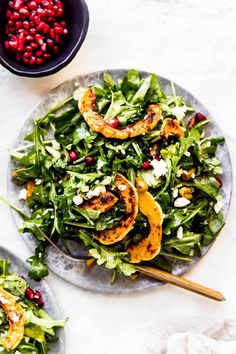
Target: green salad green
(39,327)
(67,163)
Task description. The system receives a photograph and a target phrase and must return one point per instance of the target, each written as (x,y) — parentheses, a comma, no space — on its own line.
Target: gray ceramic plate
(98,278)
(18,267)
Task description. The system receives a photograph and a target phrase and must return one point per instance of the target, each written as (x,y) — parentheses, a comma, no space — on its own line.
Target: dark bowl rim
(50,71)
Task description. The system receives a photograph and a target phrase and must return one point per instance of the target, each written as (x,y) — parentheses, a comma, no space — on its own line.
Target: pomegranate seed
(28,48)
(32,5)
(219,181)
(56,49)
(47,56)
(8,14)
(6,45)
(59,4)
(156,158)
(65,31)
(32,16)
(145,165)
(49,42)
(37,295)
(26,25)
(15,16)
(39,39)
(33,31)
(32,61)
(39,61)
(44,47)
(39,302)
(38,53)
(52,34)
(18,24)
(13,44)
(113,122)
(41,12)
(24,12)
(200,117)
(73,155)
(10,23)
(46,28)
(63,24)
(59,13)
(18,4)
(50,14)
(27,55)
(29,293)
(25,60)
(37,20)
(34,45)
(57,39)
(90,160)
(58,29)
(29,38)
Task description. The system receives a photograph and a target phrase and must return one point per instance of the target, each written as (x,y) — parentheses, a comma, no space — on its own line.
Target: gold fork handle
(181,282)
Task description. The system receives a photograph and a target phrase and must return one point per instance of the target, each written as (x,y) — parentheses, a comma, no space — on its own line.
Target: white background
(193,43)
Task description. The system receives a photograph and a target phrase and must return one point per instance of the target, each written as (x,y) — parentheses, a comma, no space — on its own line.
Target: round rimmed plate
(98,278)
(19,267)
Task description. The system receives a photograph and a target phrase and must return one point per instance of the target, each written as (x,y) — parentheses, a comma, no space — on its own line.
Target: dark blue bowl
(77,16)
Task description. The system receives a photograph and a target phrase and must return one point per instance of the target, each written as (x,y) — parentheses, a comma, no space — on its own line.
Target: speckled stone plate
(19,267)
(98,278)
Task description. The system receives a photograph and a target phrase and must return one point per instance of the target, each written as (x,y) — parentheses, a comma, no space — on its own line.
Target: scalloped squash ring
(87,107)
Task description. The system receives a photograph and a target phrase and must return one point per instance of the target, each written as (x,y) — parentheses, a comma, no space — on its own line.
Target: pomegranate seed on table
(73,155)
(33,26)
(29,293)
(113,122)
(145,165)
(90,160)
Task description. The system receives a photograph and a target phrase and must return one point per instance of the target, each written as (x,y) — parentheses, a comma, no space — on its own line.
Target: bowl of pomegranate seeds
(40,37)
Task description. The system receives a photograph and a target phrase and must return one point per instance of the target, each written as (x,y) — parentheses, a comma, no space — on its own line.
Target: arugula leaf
(38,268)
(186,244)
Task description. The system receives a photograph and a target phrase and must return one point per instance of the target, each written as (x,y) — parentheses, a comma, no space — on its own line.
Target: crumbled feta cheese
(14,317)
(38,181)
(100,164)
(60,181)
(180,172)
(56,145)
(180,232)
(218,206)
(208,144)
(179,112)
(78,93)
(22,194)
(17,352)
(77,199)
(84,188)
(95,193)
(175,193)
(123,152)
(181,202)
(122,187)
(76,84)
(193,175)
(187,153)
(159,168)
(107,180)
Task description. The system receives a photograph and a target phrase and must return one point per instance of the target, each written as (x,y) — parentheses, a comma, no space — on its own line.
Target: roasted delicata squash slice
(171,129)
(87,106)
(150,246)
(129,196)
(16,319)
(102,203)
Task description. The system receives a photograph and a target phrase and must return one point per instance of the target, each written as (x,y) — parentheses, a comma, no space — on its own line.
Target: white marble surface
(193,43)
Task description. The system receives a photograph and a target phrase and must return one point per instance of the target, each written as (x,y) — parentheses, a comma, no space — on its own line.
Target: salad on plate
(124,169)
(26,328)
